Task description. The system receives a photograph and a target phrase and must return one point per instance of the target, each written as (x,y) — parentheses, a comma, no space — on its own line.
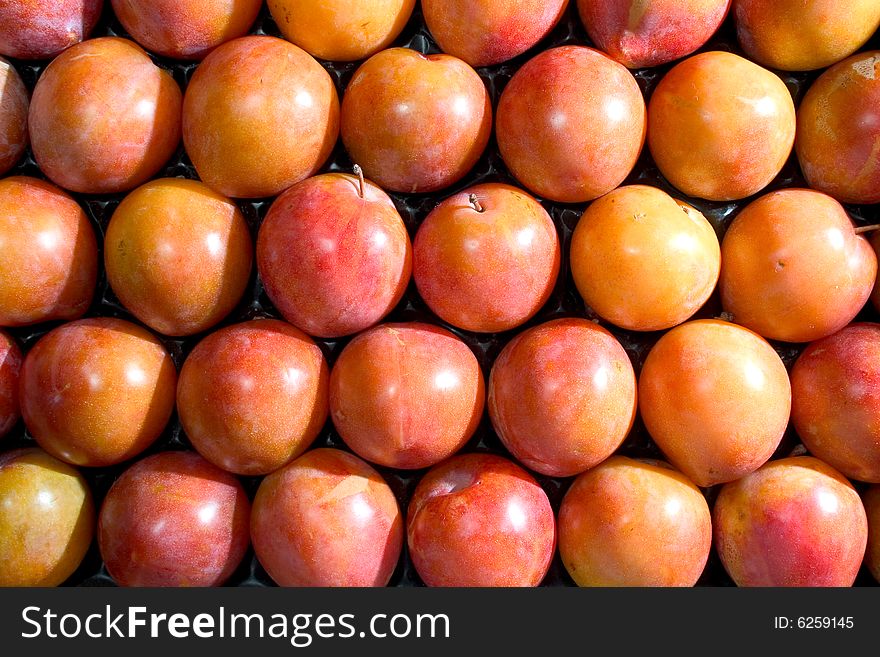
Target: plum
(643,260)
(96,392)
(803,35)
(334,255)
(794,522)
(414,122)
(343,30)
(640,33)
(793,267)
(406,395)
(562,396)
(327,519)
(47,519)
(178,255)
(10,373)
(259,115)
(480,520)
(839,130)
(185,29)
(835,386)
(489,32)
(716,398)
(720,127)
(41,30)
(173,519)
(487,258)
(634,523)
(49,266)
(253,396)
(14,103)
(571,124)
(104,118)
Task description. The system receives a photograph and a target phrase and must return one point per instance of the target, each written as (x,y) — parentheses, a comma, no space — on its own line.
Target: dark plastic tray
(565,300)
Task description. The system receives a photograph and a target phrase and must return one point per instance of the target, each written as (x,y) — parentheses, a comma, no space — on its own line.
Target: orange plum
(14,102)
(803,35)
(47,519)
(487,258)
(634,523)
(97,392)
(793,267)
(414,122)
(259,115)
(640,33)
(489,32)
(104,118)
(839,130)
(716,399)
(178,255)
(720,127)
(644,261)
(406,395)
(185,29)
(39,29)
(562,396)
(343,30)
(253,396)
(327,519)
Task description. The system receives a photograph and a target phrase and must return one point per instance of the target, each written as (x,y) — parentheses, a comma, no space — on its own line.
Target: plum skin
(343,30)
(839,130)
(42,30)
(642,34)
(486,33)
(14,104)
(793,268)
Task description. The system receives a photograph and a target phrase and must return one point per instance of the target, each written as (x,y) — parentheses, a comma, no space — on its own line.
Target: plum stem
(360,174)
(476,203)
(867,229)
